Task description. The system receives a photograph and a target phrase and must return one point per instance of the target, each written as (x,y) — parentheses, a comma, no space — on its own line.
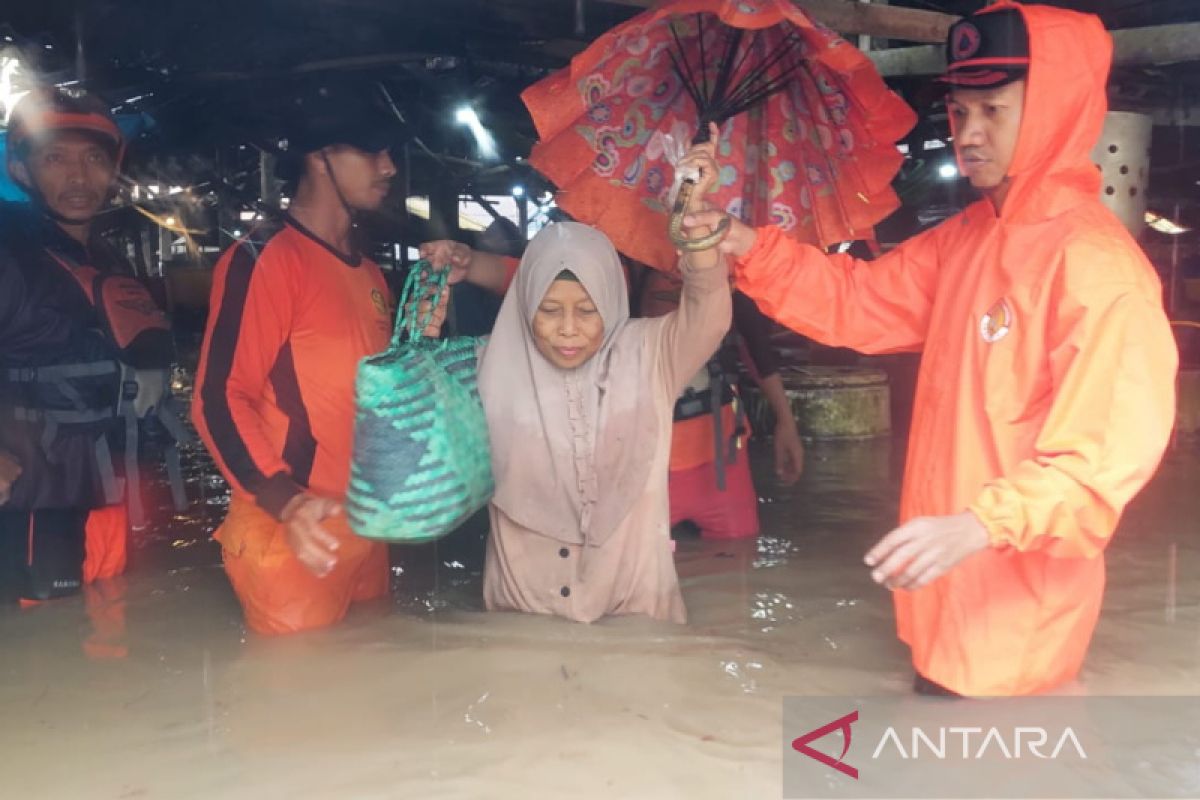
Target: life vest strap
(56,372)
(112,485)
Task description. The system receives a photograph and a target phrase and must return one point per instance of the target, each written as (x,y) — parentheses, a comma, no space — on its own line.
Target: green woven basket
(421,462)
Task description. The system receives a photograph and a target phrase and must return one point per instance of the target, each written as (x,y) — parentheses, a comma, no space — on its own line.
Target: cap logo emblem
(965,42)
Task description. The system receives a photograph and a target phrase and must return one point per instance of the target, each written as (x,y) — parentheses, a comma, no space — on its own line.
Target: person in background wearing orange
(1046,393)
(711,484)
(295,306)
(63,374)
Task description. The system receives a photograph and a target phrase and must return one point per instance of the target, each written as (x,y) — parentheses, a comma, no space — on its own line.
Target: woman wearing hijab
(579,401)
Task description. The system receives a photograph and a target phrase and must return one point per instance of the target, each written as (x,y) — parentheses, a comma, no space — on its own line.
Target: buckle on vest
(129,390)
(689,407)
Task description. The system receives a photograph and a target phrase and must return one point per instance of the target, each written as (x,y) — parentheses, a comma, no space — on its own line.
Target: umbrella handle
(675,226)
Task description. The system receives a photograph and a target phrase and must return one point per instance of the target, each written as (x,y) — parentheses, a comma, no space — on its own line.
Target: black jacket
(46,319)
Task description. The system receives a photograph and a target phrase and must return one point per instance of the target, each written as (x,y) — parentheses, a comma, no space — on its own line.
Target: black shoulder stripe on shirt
(227,330)
(353,260)
(300,447)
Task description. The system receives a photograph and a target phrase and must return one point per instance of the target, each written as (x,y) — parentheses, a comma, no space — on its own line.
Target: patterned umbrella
(808,128)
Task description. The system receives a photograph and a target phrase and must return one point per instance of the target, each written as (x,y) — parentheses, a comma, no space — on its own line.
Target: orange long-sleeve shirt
(290,319)
(1046,393)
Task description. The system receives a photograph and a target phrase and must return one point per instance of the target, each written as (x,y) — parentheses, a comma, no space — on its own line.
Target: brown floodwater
(149,687)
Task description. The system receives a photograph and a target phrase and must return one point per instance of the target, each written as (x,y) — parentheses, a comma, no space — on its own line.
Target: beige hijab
(571,449)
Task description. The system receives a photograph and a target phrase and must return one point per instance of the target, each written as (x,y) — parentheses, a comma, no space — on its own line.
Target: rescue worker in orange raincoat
(295,306)
(1045,397)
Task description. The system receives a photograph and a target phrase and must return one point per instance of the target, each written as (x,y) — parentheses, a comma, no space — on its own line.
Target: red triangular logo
(800,744)
(966,43)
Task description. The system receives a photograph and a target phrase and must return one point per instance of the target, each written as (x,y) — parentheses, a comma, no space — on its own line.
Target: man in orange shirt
(1046,393)
(295,306)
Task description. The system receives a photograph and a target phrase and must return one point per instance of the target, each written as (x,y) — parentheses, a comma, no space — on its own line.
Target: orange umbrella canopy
(814,152)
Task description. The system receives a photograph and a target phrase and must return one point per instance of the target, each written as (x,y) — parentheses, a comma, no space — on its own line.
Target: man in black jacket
(60,373)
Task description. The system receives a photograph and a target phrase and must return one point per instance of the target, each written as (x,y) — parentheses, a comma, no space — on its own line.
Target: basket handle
(408,321)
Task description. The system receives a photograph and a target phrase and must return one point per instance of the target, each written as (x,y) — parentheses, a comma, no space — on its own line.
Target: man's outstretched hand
(737,242)
(924,549)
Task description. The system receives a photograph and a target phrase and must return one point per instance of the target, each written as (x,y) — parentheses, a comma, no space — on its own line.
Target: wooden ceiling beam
(1154,45)
(868,19)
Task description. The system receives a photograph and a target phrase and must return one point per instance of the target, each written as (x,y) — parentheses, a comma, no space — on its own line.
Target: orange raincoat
(1046,393)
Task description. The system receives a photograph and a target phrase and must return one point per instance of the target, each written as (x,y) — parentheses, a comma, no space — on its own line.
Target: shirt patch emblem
(997,322)
(380,303)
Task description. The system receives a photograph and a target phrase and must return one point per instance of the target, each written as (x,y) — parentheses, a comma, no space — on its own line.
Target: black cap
(329,113)
(987,49)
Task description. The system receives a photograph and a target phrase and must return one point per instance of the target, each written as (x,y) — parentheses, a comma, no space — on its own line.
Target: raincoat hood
(1065,104)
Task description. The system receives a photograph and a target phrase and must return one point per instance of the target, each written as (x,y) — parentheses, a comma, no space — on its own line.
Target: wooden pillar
(866,42)
(165,237)
(268,186)
(443,206)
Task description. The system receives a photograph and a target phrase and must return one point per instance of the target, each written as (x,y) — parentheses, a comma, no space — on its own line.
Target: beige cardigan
(633,571)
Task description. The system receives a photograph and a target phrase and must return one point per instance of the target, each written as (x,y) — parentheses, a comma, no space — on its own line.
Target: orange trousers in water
(106,543)
(106,548)
(729,513)
(278,593)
